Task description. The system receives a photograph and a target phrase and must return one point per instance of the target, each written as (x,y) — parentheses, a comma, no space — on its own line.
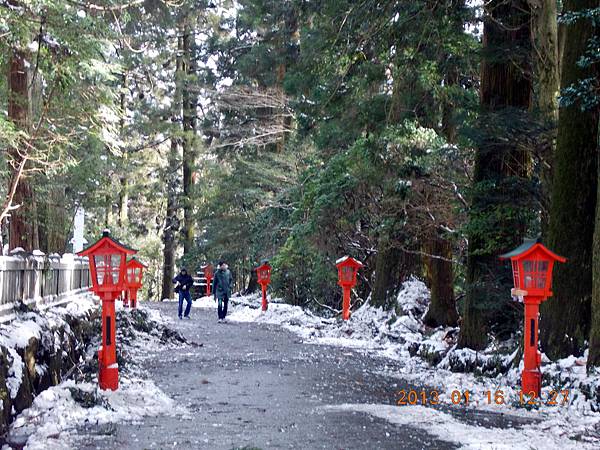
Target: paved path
(258,386)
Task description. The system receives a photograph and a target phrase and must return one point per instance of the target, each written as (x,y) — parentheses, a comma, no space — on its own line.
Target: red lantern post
(347,271)
(263,274)
(107,269)
(133,278)
(208,274)
(532,265)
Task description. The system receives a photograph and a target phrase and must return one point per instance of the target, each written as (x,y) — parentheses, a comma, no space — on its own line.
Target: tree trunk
(285,121)
(252,283)
(545,41)
(455,10)
(171,224)
(124,192)
(449,129)
(189,141)
(442,309)
(393,266)
(438,266)
(505,86)
(108,212)
(404,95)
(21,221)
(124,200)
(594,353)
(54,221)
(565,318)
(171,219)
(385,284)
(287,57)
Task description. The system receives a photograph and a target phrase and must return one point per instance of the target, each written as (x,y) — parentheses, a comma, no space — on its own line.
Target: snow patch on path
(391,336)
(369,327)
(56,415)
(445,427)
(206,302)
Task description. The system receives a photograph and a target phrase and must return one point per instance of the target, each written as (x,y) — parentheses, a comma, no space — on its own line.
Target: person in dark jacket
(184,283)
(222,289)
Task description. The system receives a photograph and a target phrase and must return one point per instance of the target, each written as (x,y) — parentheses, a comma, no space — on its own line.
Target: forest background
(422,137)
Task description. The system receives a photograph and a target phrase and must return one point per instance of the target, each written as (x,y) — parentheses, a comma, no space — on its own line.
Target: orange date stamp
(497,397)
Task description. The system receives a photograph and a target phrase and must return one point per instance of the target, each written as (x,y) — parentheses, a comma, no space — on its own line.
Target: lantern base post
(133,298)
(346,305)
(108,377)
(531,378)
(265,305)
(531,382)
(208,280)
(108,372)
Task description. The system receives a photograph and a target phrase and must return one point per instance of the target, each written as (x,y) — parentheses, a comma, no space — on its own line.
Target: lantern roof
(136,263)
(348,261)
(528,247)
(107,240)
(265,264)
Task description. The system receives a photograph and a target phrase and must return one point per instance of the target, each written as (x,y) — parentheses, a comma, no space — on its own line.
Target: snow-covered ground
(56,416)
(569,425)
(549,434)
(60,411)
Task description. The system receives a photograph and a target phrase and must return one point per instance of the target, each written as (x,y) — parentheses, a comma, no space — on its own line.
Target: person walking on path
(184,283)
(222,289)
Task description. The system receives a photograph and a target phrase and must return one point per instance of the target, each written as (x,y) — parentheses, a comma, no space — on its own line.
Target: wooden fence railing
(41,280)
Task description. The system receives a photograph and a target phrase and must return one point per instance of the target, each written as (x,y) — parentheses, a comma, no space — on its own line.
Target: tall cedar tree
(21,222)
(547,79)
(124,181)
(565,319)
(189,136)
(594,353)
(438,268)
(495,226)
(394,265)
(171,224)
(438,250)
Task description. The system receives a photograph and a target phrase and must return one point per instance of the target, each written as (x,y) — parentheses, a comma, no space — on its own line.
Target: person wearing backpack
(222,289)
(184,283)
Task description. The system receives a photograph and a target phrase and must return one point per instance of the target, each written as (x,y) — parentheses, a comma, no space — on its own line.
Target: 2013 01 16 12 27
(499,397)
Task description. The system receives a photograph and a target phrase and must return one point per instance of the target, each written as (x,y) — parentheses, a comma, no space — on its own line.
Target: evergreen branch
(8,206)
(93,6)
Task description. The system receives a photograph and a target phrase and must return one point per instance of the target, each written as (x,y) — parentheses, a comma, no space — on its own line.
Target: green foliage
(348,72)
(585,92)
(71,111)
(493,214)
(302,272)
(370,92)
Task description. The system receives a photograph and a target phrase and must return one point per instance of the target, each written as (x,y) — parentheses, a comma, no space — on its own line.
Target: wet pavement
(258,386)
